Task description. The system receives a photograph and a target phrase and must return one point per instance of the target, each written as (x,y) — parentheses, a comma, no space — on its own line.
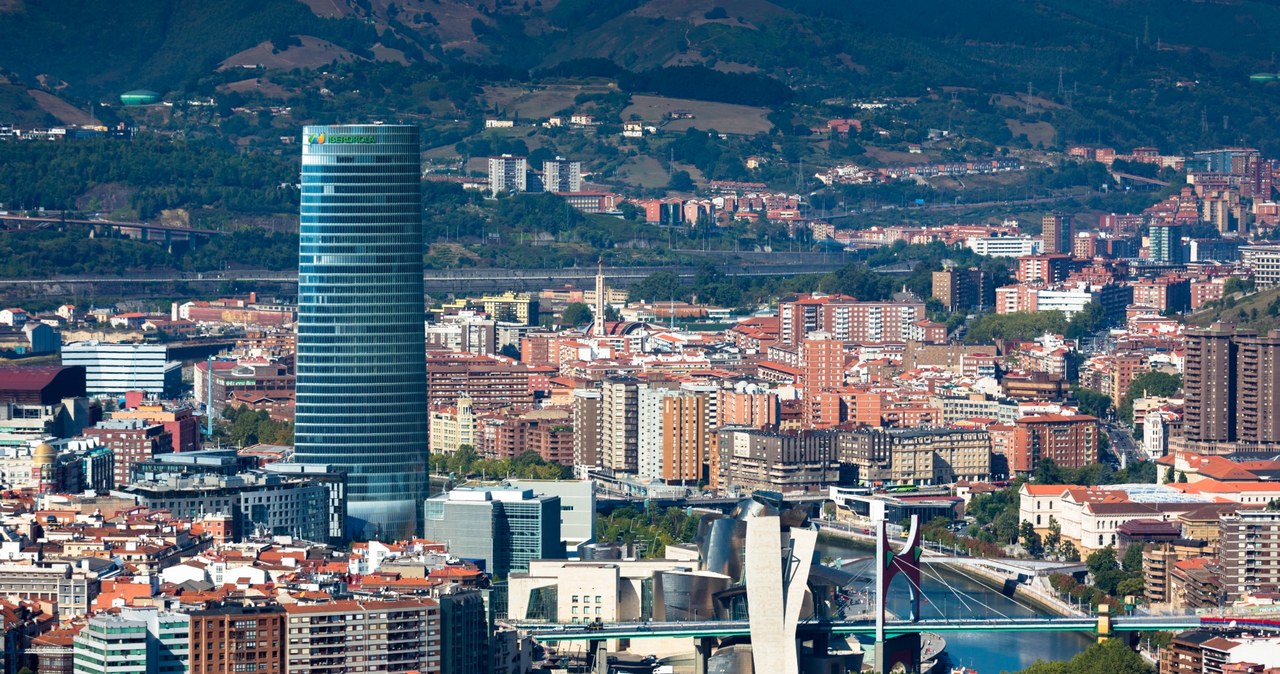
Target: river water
(952,595)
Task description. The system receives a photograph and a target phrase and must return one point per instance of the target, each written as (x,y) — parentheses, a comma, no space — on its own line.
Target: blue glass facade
(361,372)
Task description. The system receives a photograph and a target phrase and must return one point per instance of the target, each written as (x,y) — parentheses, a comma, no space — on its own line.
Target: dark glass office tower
(361,384)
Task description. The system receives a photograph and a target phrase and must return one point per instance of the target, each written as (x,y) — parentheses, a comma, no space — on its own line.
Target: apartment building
(508,174)
(1232,387)
(1249,552)
(752,459)
(363,636)
(1070,440)
(231,639)
(134,641)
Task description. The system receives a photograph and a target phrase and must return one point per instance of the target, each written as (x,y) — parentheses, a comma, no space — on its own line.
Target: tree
(1132,586)
(681,181)
(1132,562)
(1047,472)
(1068,552)
(576,314)
(1168,474)
(1105,569)
(1054,538)
(510,351)
(1093,402)
(1007,528)
(1112,656)
(1030,539)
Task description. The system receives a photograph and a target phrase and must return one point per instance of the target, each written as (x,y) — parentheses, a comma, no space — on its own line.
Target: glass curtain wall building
(361,372)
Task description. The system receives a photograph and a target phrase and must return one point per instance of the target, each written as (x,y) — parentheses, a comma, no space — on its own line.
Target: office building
(1055,229)
(395,637)
(1249,552)
(561,175)
(112,369)
(1165,245)
(577,509)
(132,441)
(259,503)
(134,641)
(508,174)
(361,373)
(232,638)
(238,380)
(1005,246)
(501,530)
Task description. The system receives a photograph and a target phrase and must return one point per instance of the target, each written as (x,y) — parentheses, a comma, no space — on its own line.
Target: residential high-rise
(1209,381)
(651,429)
(846,319)
(361,373)
(1055,229)
(233,638)
(464,631)
(686,435)
(1257,399)
(962,289)
(619,424)
(132,441)
(587,414)
(1166,244)
(561,175)
(1249,552)
(508,174)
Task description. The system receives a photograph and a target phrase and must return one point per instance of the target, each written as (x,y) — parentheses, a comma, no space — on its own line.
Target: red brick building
(1070,440)
(131,440)
(234,638)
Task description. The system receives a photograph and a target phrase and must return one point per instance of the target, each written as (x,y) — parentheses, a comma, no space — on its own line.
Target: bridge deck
(721,629)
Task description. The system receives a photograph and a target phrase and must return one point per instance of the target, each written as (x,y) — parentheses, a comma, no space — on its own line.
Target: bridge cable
(973,577)
(937,576)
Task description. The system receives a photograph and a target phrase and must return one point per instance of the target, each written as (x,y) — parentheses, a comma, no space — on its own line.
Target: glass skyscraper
(361,372)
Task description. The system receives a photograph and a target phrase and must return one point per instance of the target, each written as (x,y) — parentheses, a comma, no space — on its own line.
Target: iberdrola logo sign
(321,139)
